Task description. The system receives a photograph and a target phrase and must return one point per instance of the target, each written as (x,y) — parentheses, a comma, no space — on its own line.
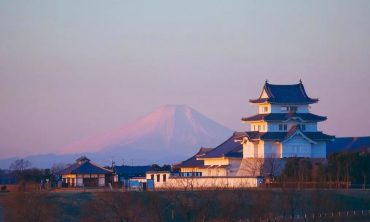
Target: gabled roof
(84,166)
(193,161)
(229,148)
(284,94)
(282,136)
(307,117)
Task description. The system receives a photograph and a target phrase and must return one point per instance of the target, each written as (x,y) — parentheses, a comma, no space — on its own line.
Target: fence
(323,216)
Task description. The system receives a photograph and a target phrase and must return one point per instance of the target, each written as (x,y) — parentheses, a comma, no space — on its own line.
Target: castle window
(283,127)
(289,108)
(293,108)
(158,177)
(265,109)
(303,127)
(164,177)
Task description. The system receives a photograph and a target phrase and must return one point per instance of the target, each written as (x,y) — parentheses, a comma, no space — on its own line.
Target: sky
(73,69)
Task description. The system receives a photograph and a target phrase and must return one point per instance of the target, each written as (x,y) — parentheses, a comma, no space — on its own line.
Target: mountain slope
(167,128)
(169,134)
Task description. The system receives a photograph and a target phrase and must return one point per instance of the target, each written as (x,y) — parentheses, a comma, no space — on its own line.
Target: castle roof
(284,94)
(282,136)
(306,117)
(193,161)
(229,148)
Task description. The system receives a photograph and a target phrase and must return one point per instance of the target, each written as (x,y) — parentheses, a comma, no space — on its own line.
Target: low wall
(207,183)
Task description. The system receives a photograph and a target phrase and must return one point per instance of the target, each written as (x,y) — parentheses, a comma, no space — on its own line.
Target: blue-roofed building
(84,173)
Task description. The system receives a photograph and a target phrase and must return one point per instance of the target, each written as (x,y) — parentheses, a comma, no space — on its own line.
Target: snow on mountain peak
(170,128)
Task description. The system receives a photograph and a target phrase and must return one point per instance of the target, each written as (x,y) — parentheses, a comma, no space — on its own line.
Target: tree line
(340,168)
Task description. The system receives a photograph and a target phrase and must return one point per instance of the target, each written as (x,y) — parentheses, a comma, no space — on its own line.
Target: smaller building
(85,173)
(125,173)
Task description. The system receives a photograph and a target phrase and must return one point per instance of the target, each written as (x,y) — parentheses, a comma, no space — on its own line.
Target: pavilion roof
(85,166)
(285,94)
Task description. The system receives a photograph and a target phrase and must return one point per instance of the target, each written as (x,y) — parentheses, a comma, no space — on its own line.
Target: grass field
(221,205)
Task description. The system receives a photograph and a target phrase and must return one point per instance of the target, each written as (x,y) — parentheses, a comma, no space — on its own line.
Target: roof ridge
(103,168)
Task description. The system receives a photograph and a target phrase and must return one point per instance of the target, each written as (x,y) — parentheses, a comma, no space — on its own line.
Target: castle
(283,127)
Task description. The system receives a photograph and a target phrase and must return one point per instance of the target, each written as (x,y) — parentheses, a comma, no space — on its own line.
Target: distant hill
(169,134)
(349,144)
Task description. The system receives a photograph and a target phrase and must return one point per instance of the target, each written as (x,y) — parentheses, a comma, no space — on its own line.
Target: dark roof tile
(86,167)
(229,147)
(192,161)
(285,116)
(285,94)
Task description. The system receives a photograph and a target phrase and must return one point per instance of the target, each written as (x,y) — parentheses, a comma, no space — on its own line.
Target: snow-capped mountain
(168,135)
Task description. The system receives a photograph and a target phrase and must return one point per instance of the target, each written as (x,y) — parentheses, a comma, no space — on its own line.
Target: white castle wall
(296,147)
(186,183)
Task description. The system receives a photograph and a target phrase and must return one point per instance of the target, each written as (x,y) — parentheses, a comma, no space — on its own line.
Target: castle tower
(284,125)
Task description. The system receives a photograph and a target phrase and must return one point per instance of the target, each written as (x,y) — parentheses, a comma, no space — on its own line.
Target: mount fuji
(168,135)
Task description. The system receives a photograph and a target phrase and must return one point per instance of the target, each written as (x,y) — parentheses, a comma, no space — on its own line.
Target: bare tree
(251,167)
(57,167)
(20,165)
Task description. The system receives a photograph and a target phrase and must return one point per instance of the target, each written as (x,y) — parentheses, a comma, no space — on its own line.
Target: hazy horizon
(70,70)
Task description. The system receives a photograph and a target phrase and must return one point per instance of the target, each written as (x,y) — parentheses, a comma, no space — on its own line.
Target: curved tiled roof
(85,167)
(281,136)
(285,94)
(192,161)
(229,148)
(285,116)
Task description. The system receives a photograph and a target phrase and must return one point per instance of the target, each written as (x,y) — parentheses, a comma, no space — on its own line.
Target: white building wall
(176,182)
(259,126)
(253,150)
(101,180)
(274,126)
(260,150)
(311,127)
(79,181)
(248,149)
(264,108)
(272,149)
(233,167)
(319,150)
(300,108)
(199,183)
(296,147)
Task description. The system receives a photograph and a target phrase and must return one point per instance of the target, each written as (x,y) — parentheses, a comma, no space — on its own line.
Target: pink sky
(70,70)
